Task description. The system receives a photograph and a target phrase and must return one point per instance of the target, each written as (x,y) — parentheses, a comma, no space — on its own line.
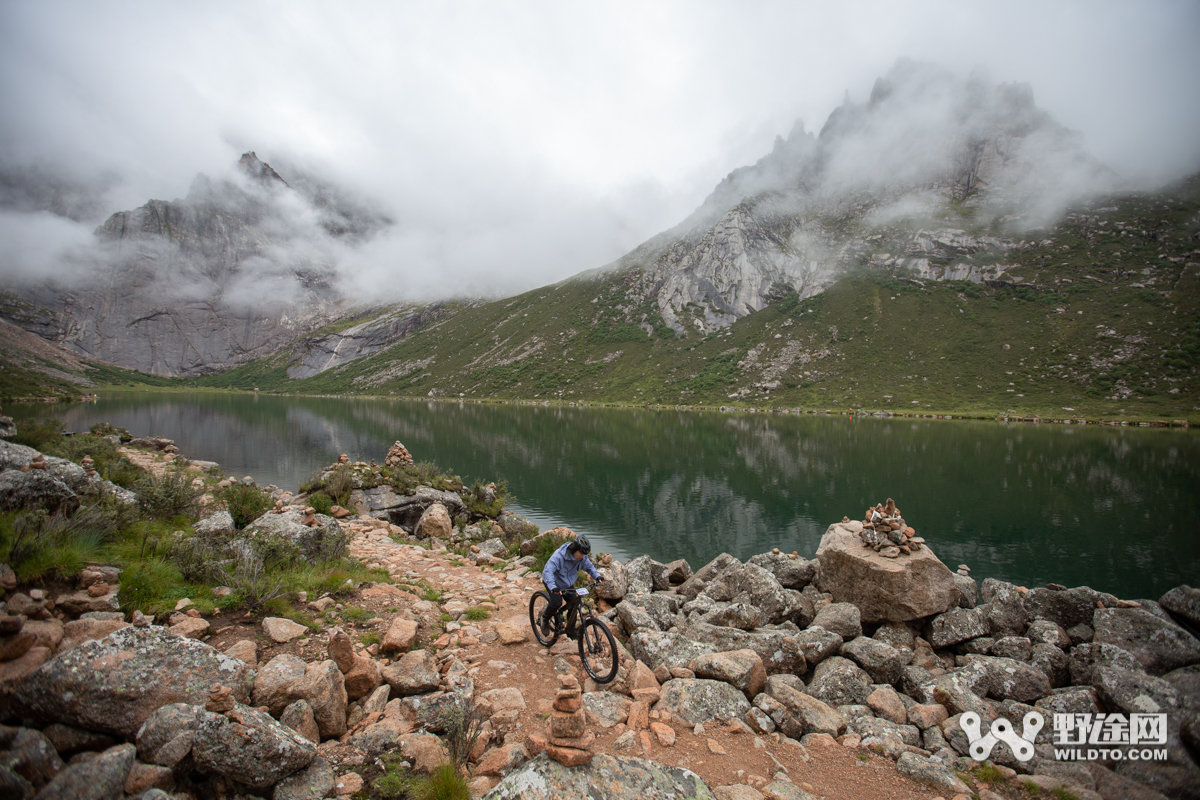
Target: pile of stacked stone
(885,531)
(397,455)
(568,741)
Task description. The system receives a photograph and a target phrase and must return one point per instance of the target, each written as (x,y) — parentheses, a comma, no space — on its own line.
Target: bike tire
(538,604)
(598,651)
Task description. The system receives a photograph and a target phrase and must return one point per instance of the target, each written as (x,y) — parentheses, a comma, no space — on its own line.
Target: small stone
(715,748)
(664,733)
(283,630)
(97,589)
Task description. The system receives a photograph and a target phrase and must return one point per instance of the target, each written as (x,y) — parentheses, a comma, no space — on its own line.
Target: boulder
(657,648)
(362,678)
(616,582)
(791,573)
(249,746)
(840,682)
(647,575)
(1130,692)
(68,741)
(678,571)
(166,736)
(1159,646)
(273,683)
(887,704)
(1070,700)
(896,634)
(1043,631)
(742,669)
(881,661)
(758,586)
(1053,662)
(779,650)
(606,709)
(884,589)
(957,625)
(219,523)
(32,756)
(933,772)
(325,690)
(299,717)
(113,684)
(1009,679)
(82,602)
(35,489)
(622,778)
(734,615)
(1006,612)
(99,778)
(817,644)
(435,523)
(695,584)
(809,714)
(311,783)
(401,634)
(78,631)
(1184,603)
(415,672)
(1015,647)
(696,700)
(323,542)
(1066,607)
(844,619)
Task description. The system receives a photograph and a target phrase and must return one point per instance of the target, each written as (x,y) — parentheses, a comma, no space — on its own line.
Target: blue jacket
(562,569)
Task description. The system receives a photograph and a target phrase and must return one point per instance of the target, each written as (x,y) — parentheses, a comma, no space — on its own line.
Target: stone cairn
(886,532)
(568,741)
(397,455)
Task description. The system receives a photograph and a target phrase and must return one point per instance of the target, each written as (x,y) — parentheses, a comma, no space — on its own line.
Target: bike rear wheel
(537,606)
(598,651)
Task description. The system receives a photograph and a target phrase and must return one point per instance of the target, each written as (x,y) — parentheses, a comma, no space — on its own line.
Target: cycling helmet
(582,545)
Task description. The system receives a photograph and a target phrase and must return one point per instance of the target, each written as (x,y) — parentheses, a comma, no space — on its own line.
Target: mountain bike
(597,647)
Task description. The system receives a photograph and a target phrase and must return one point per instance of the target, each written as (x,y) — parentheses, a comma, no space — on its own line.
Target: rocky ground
(851,675)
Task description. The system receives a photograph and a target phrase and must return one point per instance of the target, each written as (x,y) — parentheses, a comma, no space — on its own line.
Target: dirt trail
(720,756)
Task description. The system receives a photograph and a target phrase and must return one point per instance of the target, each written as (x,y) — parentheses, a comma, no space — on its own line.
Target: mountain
(945,246)
(198,285)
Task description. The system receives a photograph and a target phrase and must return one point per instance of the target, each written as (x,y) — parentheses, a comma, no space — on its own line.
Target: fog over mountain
(435,152)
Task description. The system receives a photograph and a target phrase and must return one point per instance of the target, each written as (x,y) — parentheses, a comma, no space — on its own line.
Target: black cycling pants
(557,599)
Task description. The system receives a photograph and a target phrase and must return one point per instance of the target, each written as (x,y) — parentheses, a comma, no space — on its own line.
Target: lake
(1072,504)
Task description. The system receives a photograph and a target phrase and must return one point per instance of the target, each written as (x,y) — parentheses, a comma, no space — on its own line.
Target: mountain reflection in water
(1106,507)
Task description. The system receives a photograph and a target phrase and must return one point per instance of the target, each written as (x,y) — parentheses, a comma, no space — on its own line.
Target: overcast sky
(517,143)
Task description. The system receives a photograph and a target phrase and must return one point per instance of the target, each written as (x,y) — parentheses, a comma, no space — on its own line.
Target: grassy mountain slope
(1099,315)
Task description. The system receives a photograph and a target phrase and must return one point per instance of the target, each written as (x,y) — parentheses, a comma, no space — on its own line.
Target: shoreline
(952,415)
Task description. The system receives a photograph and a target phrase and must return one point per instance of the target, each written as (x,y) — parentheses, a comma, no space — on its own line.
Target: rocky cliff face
(223,276)
(871,189)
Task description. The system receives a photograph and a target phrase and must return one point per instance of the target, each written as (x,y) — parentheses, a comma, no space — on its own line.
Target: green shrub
(321,503)
(107,429)
(170,495)
(354,614)
(339,485)
(146,583)
(39,545)
(244,503)
(483,501)
(108,461)
(40,435)
(445,783)
(477,614)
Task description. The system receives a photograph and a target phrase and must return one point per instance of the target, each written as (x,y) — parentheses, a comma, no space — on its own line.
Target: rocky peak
(260,171)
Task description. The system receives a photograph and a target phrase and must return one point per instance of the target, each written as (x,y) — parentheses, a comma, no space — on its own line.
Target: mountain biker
(559,575)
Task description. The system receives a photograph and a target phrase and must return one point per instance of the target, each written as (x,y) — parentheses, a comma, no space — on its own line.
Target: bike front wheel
(598,651)
(537,607)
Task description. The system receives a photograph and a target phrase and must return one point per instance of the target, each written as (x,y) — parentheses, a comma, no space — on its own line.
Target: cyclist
(559,575)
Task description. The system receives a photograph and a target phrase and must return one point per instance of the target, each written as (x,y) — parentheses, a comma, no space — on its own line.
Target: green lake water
(1107,507)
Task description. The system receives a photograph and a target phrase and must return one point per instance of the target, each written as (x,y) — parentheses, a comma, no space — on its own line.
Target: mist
(439,151)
